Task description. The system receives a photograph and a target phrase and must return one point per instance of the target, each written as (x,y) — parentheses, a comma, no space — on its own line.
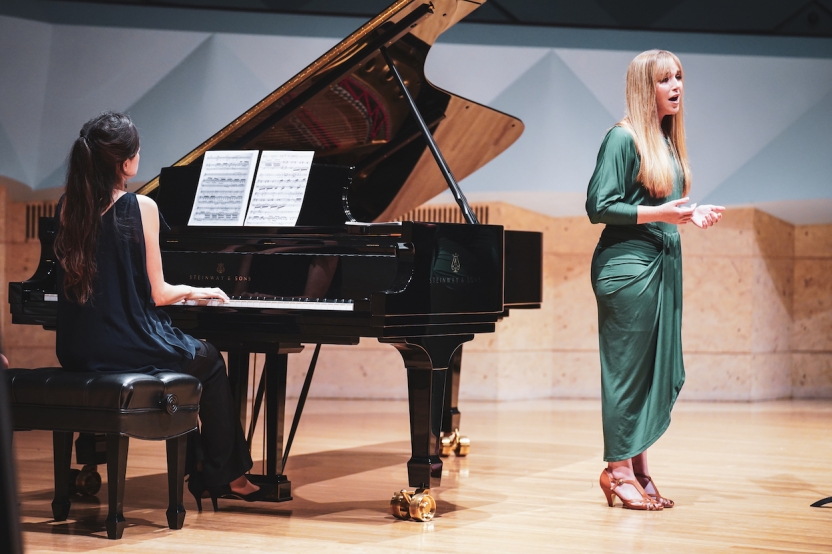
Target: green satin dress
(637,279)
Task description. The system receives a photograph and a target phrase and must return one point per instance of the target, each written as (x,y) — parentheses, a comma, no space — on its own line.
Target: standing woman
(110,288)
(640,184)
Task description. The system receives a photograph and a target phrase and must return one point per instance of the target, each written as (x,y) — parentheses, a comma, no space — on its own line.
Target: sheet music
(279,188)
(224,186)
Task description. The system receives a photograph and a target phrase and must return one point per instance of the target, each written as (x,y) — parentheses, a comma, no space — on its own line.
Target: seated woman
(110,288)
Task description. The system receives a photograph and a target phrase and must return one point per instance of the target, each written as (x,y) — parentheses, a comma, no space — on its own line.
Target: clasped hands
(703,216)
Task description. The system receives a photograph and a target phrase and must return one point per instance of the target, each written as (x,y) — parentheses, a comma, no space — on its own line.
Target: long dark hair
(95,172)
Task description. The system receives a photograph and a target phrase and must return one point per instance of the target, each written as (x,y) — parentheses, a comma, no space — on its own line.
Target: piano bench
(118,405)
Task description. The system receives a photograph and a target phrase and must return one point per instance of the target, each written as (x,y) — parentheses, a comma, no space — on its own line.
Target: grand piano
(385,140)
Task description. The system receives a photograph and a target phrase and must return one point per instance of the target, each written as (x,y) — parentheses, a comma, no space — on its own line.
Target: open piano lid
(347,107)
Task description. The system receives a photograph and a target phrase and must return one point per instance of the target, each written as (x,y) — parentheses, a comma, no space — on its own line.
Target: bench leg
(116,474)
(62,454)
(176,480)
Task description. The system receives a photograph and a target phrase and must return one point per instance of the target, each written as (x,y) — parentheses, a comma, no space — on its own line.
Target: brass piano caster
(418,505)
(85,481)
(455,443)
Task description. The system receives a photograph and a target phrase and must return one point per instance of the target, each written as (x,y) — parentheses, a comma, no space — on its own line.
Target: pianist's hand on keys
(202,296)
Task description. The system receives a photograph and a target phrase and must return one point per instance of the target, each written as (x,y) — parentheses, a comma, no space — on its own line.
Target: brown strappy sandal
(610,483)
(643,480)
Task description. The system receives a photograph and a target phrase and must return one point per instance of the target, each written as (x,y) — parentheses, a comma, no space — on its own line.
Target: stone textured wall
(811,338)
(736,326)
(757,318)
(24,345)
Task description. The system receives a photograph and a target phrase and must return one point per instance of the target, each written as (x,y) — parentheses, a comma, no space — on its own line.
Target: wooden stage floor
(742,476)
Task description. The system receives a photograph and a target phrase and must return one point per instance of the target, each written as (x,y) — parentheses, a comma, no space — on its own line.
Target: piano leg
(451,416)
(276,367)
(427,360)
(452,440)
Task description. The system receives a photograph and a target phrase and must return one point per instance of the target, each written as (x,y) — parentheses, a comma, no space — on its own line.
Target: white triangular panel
(795,165)
(478,72)
(735,105)
(24,62)
(603,72)
(564,128)
(275,60)
(203,94)
(92,69)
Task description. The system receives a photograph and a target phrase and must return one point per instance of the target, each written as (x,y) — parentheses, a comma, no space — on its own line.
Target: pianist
(110,285)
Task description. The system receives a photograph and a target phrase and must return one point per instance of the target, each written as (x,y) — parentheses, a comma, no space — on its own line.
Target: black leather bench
(118,405)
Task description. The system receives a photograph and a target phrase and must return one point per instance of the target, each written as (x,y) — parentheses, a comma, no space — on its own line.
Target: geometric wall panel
(758,126)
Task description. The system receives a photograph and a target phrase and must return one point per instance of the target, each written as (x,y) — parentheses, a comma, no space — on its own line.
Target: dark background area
(759,17)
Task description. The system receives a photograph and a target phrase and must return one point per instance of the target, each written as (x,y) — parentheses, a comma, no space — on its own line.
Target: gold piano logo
(455,267)
(219,276)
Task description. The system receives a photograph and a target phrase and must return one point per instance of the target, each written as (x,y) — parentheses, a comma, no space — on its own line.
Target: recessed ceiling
(759,17)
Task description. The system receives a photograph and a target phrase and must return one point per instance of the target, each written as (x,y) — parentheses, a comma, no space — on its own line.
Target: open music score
(225,185)
(279,188)
(223,189)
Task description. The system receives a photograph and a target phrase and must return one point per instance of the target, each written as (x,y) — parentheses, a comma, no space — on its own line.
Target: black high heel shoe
(196,486)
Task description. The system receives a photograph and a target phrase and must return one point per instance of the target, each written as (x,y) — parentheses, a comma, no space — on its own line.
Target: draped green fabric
(637,280)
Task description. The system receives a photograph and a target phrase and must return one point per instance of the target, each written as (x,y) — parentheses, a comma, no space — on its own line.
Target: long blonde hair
(656,173)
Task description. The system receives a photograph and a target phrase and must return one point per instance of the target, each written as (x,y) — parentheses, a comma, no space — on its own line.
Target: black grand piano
(347,270)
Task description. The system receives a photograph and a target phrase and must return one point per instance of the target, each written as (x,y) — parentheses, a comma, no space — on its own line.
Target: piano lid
(347,107)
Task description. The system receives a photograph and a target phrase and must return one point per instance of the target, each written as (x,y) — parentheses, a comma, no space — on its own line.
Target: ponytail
(94,174)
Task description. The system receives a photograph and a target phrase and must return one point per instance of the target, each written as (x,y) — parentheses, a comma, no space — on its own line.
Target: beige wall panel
(812,375)
(576,374)
(734,236)
(521,375)
(23,259)
(813,241)
(31,357)
(572,303)
(718,304)
(523,330)
(812,330)
(774,238)
(349,372)
(15,223)
(564,235)
(480,378)
(771,376)
(31,336)
(757,320)
(772,306)
(717,377)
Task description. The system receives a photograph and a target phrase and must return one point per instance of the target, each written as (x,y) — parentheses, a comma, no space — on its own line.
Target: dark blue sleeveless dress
(120,328)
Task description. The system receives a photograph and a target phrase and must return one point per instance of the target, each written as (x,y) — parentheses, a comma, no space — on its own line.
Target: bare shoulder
(149,212)
(147,205)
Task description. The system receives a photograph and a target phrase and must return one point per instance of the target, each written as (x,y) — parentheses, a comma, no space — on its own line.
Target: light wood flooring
(742,475)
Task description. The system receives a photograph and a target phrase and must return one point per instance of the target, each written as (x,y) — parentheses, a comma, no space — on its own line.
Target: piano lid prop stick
(467,213)
(301,401)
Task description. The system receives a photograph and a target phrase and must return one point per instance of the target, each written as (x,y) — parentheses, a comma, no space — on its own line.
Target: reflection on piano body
(346,272)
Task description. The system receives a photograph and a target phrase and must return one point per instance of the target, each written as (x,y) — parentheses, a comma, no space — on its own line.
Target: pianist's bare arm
(165,293)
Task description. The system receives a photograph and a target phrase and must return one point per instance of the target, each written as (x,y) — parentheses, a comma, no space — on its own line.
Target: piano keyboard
(341,305)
